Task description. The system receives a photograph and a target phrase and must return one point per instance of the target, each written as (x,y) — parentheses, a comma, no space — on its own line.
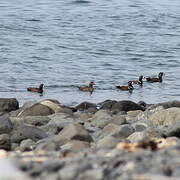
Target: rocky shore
(118,140)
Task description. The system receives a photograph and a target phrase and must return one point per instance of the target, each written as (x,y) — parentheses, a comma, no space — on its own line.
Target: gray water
(67,43)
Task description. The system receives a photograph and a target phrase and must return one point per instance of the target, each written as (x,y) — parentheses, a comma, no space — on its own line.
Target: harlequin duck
(126,88)
(140,81)
(34,89)
(155,79)
(89,88)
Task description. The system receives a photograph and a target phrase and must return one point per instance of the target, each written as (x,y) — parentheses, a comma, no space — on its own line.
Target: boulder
(5,124)
(165,117)
(174,130)
(36,120)
(5,142)
(8,104)
(72,132)
(101,118)
(135,137)
(169,104)
(27,132)
(140,126)
(85,106)
(127,106)
(27,145)
(36,110)
(107,104)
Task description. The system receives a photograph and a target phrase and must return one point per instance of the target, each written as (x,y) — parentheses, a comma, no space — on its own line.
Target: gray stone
(140,126)
(101,118)
(75,145)
(107,104)
(174,130)
(27,145)
(27,132)
(107,142)
(8,104)
(5,124)
(5,142)
(124,131)
(36,110)
(85,106)
(136,136)
(36,120)
(72,132)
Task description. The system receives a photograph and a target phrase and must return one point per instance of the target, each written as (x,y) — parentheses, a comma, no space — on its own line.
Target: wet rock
(107,142)
(101,118)
(73,132)
(5,142)
(107,104)
(165,117)
(27,145)
(126,106)
(27,132)
(5,124)
(36,110)
(85,106)
(75,145)
(8,104)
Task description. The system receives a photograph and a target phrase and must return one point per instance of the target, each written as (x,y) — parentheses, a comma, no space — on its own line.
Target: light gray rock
(27,145)
(5,124)
(101,118)
(140,126)
(72,132)
(136,136)
(5,142)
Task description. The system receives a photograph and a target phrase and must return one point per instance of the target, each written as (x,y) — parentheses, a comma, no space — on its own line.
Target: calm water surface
(67,43)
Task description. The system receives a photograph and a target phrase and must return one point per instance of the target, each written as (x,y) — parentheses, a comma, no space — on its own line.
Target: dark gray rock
(174,130)
(36,110)
(5,124)
(8,104)
(107,104)
(27,132)
(169,104)
(5,142)
(73,132)
(85,106)
(126,106)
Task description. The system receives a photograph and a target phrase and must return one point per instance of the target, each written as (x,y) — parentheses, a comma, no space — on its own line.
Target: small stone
(5,142)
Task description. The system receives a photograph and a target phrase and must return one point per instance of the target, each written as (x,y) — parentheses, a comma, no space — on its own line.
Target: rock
(27,132)
(101,118)
(153,177)
(5,142)
(8,104)
(82,115)
(136,136)
(170,104)
(75,145)
(124,131)
(47,146)
(85,106)
(72,132)
(107,142)
(5,124)
(174,130)
(107,104)
(57,122)
(92,174)
(140,126)
(109,129)
(127,106)
(165,117)
(27,145)
(36,120)
(36,110)
(132,116)
(134,113)
(118,119)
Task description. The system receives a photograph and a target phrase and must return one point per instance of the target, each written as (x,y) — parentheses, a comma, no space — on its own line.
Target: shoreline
(114,140)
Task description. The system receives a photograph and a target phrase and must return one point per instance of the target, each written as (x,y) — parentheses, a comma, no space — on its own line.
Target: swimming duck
(89,88)
(155,79)
(34,89)
(126,88)
(140,81)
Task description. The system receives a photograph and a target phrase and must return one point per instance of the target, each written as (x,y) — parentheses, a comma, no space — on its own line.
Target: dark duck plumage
(140,81)
(89,88)
(155,79)
(129,87)
(34,89)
